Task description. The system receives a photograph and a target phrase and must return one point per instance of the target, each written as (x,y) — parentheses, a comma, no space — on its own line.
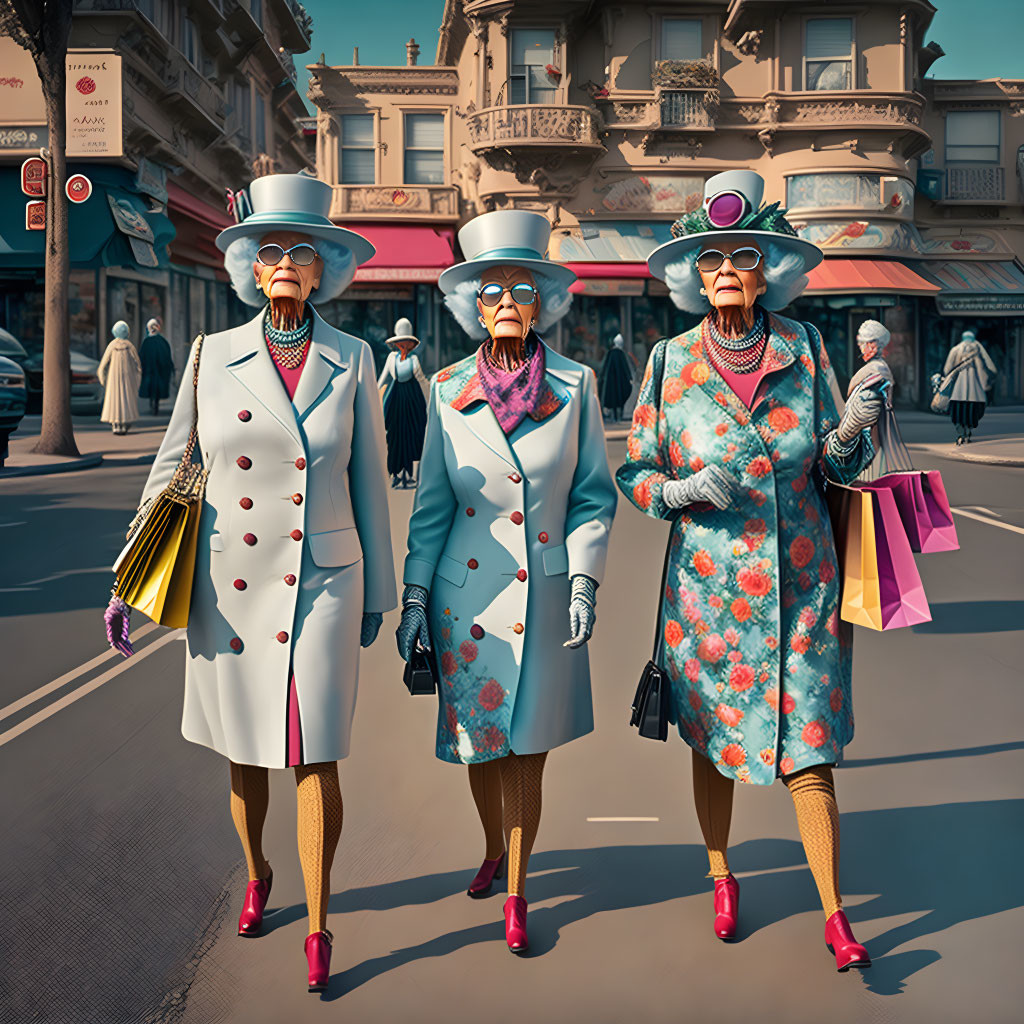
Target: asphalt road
(121,875)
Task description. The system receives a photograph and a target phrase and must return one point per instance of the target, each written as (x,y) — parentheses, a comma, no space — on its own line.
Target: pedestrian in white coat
(508,538)
(120,372)
(973,374)
(294,566)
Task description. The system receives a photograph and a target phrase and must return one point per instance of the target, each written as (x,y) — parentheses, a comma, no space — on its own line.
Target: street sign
(33,177)
(78,188)
(35,215)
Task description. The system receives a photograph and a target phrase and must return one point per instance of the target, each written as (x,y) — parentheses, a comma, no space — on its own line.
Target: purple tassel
(117,619)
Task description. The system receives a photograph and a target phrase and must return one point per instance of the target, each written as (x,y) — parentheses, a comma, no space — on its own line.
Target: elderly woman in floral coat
(736,423)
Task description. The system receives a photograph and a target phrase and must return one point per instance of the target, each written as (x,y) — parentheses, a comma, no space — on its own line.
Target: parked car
(86,390)
(12,348)
(12,401)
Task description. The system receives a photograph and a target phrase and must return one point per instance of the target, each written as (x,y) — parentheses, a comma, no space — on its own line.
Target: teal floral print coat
(750,636)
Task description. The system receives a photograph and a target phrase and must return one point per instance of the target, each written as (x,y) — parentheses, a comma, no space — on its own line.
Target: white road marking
(2,525)
(987,511)
(618,819)
(985,519)
(30,584)
(31,698)
(87,688)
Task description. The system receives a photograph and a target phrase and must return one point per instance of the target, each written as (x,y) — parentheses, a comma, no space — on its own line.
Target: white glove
(581,610)
(862,410)
(711,484)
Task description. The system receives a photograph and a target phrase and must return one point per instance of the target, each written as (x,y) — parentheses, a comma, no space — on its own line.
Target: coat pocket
(335,548)
(556,560)
(216,542)
(451,570)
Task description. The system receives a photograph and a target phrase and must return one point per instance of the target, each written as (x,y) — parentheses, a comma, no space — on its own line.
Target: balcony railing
(686,108)
(978,184)
(420,202)
(534,125)
(193,94)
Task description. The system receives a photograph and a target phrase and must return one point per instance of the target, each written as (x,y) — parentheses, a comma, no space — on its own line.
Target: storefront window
(82,312)
(122,304)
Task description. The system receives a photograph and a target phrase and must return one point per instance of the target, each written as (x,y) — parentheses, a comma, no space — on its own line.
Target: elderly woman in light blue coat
(294,566)
(508,538)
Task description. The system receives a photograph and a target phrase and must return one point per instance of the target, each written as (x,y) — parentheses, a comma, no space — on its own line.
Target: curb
(47,468)
(961,454)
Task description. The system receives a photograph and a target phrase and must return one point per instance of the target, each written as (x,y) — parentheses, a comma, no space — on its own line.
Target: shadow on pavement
(919,861)
(933,755)
(974,617)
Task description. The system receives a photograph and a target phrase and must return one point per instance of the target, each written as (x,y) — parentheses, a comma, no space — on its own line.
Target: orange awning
(840,277)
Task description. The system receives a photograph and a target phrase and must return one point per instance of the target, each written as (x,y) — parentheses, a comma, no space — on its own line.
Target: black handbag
(420,676)
(650,703)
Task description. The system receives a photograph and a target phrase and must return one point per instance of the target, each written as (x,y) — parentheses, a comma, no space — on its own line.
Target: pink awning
(610,270)
(405,252)
(839,276)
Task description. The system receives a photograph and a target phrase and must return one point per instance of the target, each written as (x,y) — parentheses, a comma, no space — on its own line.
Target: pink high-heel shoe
(489,871)
(515,924)
(318,956)
(727,907)
(257,892)
(840,941)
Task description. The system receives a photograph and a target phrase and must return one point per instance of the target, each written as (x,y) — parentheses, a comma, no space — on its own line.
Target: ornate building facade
(609,116)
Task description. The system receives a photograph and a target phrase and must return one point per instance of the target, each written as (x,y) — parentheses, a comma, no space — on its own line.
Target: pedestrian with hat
(737,425)
(508,539)
(403,389)
(294,566)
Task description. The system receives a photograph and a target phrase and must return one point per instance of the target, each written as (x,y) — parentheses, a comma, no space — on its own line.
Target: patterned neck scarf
(513,394)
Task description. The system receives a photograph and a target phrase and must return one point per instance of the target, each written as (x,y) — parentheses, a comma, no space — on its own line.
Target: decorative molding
(398,81)
(750,42)
(535,125)
(434,201)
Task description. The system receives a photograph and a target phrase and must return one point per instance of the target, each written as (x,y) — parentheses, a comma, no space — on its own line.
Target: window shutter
(829,37)
(680,39)
(424,131)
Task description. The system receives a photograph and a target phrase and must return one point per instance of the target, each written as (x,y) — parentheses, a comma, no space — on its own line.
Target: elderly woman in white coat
(974,374)
(120,372)
(294,566)
(508,538)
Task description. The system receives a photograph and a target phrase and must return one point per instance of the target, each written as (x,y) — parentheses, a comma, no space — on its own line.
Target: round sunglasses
(522,293)
(742,259)
(271,254)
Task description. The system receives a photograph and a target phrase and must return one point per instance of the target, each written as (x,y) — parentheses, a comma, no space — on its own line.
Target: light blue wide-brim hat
(294,202)
(731,210)
(504,238)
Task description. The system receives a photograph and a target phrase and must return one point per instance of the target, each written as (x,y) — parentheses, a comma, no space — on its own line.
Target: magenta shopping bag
(924,508)
(901,592)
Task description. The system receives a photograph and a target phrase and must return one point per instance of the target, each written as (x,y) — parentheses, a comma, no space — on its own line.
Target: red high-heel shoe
(840,941)
(318,956)
(515,924)
(727,907)
(489,871)
(257,892)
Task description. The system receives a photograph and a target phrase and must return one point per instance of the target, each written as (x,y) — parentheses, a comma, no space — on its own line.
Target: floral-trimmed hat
(403,332)
(732,208)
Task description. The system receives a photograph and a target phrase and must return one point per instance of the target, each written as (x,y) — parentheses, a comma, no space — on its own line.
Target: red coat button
(521,575)
(517,518)
(470,511)
(476,632)
(243,462)
(246,503)
(250,539)
(473,563)
(297,498)
(244,415)
(517,628)
(235,644)
(300,463)
(296,535)
(240,584)
(515,478)
(282,637)
(290,579)
(542,537)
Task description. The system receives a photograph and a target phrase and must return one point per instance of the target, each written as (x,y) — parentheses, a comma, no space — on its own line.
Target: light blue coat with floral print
(499,526)
(759,662)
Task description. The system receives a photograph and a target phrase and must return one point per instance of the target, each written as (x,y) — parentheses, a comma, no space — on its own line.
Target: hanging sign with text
(94,103)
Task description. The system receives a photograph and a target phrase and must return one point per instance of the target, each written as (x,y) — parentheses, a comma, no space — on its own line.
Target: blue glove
(413,628)
(370,628)
(582,616)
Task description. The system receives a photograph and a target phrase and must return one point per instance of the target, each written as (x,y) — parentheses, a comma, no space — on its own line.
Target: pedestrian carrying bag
(155,569)
(881,587)
(944,388)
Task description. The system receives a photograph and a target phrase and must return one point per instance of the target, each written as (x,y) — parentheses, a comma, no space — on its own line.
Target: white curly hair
(339,269)
(783,274)
(555,300)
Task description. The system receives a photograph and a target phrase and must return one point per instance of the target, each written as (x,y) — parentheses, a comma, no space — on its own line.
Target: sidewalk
(98,446)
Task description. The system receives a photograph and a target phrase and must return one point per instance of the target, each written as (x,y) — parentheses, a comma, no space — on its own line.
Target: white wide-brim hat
(732,199)
(505,238)
(294,202)
(403,332)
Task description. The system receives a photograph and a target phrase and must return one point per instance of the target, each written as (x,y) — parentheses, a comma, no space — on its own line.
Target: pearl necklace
(740,355)
(288,348)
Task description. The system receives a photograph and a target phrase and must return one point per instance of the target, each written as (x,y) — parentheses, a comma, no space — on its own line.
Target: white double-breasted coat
(294,541)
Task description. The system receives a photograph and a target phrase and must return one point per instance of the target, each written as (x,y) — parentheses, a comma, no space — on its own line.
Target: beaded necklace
(740,355)
(288,348)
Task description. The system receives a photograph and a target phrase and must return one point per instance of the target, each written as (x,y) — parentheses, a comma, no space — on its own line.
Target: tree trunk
(56,437)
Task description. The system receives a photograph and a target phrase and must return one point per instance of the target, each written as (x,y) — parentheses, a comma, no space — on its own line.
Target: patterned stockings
(485,782)
(320,815)
(817,816)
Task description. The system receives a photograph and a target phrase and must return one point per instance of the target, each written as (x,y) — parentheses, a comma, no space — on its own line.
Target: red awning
(180,201)
(840,276)
(609,270)
(405,252)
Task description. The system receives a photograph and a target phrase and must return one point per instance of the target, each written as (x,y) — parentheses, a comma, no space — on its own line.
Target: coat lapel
(251,365)
(323,363)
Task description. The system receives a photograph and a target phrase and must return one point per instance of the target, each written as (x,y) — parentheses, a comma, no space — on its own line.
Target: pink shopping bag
(901,592)
(924,508)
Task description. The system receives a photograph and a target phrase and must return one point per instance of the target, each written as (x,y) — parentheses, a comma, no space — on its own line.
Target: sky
(982,38)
